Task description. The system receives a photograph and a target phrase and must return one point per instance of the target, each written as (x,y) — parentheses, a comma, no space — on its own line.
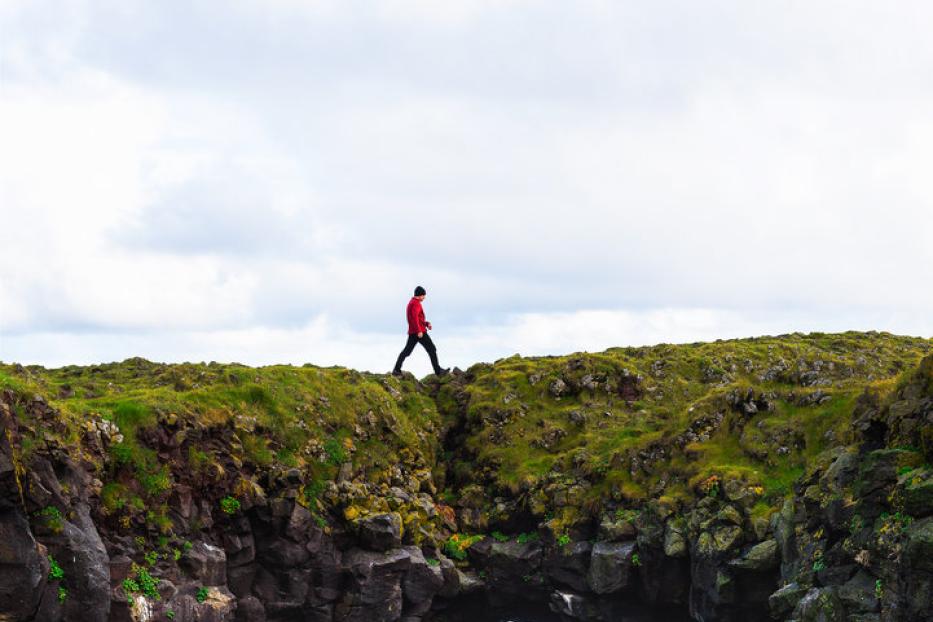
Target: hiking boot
(443,372)
(397,373)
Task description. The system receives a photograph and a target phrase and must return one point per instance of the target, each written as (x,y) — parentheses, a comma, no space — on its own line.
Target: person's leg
(432,352)
(409,347)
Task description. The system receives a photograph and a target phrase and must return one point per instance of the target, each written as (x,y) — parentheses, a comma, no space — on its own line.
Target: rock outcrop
(721,487)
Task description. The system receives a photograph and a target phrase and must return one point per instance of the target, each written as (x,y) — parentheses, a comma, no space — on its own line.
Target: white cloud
(178,177)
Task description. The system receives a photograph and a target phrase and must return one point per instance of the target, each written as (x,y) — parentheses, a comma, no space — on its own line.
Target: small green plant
(432,561)
(62,594)
(524,538)
(142,583)
(904,470)
(636,560)
(320,521)
(457,545)
(176,554)
(563,540)
(151,558)
(130,587)
(229,505)
(170,614)
(312,492)
(856,523)
(186,546)
(148,584)
(53,518)
(627,516)
(818,564)
(897,521)
(499,536)
(710,486)
(140,541)
(201,594)
(55,571)
(336,453)
(879,589)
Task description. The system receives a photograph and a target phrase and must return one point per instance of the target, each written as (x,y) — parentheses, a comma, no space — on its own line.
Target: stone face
(87,565)
(568,565)
(918,499)
(820,605)
(762,556)
(610,566)
(858,594)
(675,543)
(785,600)
(718,541)
(917,569)
(381,532)
(374,590)
(422,581)
(207,563)
(615,530)
(250,609)
(23,570)
(513,570)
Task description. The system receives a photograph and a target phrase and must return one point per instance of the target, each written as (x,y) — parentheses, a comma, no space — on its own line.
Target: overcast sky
(266,181)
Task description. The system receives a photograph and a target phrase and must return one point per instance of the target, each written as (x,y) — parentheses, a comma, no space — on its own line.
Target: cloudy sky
(266,181)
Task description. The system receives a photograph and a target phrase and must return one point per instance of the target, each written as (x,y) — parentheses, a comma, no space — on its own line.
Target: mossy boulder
(762,556)
(784,600)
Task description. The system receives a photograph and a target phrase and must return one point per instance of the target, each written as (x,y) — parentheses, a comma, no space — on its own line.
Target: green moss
(113,497)
(55,571)
(229,505)
(630,424)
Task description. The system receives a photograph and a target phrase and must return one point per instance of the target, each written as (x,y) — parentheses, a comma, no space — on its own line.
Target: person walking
(418,329)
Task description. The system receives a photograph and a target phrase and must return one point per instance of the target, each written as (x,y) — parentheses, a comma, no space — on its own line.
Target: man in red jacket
(418,333)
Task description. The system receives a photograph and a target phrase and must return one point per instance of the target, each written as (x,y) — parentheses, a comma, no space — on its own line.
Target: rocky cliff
(783,478)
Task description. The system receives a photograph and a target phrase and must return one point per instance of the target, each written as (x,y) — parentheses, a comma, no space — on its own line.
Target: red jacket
(415,315)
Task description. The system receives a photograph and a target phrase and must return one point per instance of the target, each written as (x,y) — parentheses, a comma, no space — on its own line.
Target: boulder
(84,559)
(381,532)
(784,601)
(568,565)
(675,541)
(762,556)
(513,571)
(250,609)
(23,569)
(206,563)
(718,541)
(858,594)
(610,566)
(423,580)
(918,498)
(374,587)
(820,605)
(916,569)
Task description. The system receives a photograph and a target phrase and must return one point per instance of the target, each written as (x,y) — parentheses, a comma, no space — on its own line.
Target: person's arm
(423,326)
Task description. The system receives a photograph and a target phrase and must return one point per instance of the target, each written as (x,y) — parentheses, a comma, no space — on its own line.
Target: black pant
(425,341)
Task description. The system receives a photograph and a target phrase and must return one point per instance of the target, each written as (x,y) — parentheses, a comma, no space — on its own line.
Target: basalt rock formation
(777,478)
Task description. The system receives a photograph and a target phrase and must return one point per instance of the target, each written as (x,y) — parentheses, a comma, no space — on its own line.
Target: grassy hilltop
(560,438)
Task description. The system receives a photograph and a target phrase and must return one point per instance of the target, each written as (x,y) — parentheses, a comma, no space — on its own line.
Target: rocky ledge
(176,512)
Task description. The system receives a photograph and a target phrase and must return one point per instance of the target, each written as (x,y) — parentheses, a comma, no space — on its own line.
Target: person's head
(420,293)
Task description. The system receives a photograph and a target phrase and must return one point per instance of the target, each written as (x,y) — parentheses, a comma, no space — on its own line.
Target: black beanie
(419,291)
